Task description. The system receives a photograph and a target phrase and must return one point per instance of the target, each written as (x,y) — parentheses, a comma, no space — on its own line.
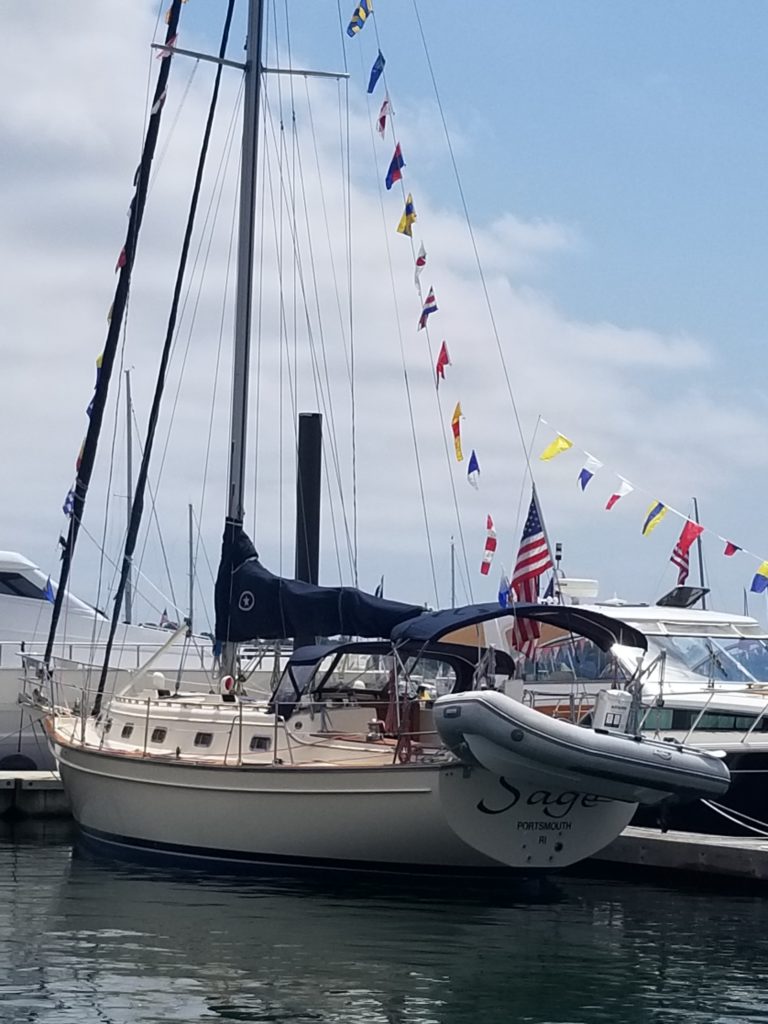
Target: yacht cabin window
(126,731)
(158,735)
(203,739)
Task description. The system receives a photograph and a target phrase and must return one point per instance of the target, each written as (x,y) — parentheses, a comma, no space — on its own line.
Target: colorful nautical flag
(359,17)
(421,262)
(48,592)
(490,547)
(504,590)
(79,459)
(560,444)
(624,488)
(443,360)
(760,581)
(681,553)
(456,428)
(121,260)
(473,470)
(394,173)
(533,559)
(408,218)
(376,71)
(430,306)
(381,121)
(591,466)
(89,410)
(656,512)
(69,503)
(730,549)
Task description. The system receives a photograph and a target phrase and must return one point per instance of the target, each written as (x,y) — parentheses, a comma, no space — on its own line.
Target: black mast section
(127,257)
(138,497)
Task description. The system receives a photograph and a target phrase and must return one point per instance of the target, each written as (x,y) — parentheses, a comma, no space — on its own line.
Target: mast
(701,557)
(245,249)
(129,488)
(244,294)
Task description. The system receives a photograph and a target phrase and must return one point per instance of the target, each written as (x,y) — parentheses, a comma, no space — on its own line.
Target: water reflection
(83,941)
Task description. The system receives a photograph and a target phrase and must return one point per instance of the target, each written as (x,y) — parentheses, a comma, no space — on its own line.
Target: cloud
(649,404)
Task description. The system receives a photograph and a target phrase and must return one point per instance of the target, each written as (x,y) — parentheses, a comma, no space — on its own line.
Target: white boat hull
(403,817)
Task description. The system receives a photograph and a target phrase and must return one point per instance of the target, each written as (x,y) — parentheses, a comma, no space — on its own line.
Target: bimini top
(601,629)
(472,655)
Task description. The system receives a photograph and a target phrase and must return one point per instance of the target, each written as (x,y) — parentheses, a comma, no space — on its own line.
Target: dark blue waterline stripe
(200,857)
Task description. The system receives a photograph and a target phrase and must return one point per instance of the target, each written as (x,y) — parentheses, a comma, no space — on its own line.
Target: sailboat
(348,765)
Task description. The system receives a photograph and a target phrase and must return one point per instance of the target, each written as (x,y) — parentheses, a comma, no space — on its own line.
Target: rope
(762,831)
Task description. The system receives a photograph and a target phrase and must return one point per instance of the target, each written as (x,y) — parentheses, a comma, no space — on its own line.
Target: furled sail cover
(252,603)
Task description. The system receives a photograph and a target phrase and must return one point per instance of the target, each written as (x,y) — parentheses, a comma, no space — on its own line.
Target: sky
(610,156)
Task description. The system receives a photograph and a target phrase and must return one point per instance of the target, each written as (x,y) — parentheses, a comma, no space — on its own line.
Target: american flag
(533,559)
(679,557)
(681,554)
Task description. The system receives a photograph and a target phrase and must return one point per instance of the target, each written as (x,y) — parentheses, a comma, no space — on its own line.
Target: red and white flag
(443,360)
(490,547)
(421,262)
(381,121)
(624,488)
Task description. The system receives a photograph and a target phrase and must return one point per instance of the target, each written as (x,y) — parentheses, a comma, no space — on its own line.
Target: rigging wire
(166,354)
(478,261)
(346,161)
(326,404)
(406,380)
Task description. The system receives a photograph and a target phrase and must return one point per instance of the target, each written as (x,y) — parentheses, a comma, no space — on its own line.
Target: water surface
(83,941)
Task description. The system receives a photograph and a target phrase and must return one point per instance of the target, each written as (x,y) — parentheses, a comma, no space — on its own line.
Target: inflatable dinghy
(517,742)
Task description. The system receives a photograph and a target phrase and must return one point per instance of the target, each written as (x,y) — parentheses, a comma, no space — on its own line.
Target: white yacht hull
(403,817)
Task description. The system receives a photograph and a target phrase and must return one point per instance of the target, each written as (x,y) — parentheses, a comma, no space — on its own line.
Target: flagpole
(699,553)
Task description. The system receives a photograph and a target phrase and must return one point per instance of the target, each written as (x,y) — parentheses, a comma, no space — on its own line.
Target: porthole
(158,735)
(203,739)
(127,731)
(260,743)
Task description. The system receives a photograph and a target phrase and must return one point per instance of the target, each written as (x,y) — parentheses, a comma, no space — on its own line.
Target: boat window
(260,743)
(127,731)
(158,735)
(568,659)
(658,718)
(13,584)
(203,739)
(732,659)
(699,628)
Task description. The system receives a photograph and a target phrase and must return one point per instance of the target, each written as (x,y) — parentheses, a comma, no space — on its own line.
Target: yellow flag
(560,444)
(456,428)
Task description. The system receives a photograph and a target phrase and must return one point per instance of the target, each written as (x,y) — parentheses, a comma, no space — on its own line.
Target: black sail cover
(252,603)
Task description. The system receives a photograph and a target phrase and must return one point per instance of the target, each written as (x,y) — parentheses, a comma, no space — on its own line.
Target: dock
(687,853)
(32,795)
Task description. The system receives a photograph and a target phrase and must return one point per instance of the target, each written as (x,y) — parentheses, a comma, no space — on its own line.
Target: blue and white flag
(48,592)
(591,466)
(504,591)
(473,471)
(376,70)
